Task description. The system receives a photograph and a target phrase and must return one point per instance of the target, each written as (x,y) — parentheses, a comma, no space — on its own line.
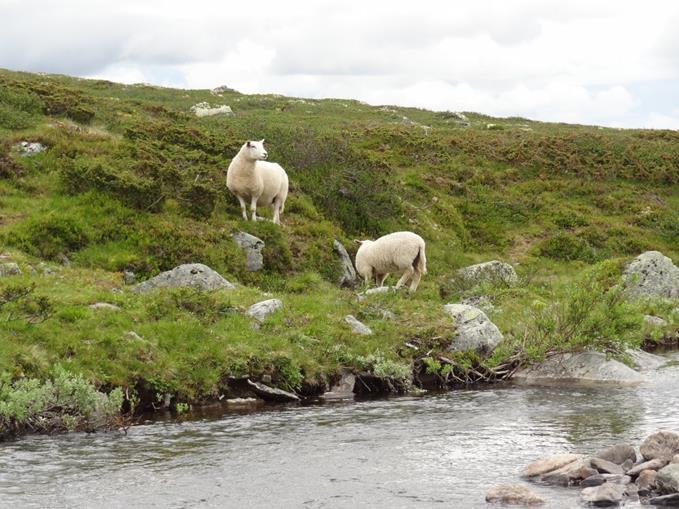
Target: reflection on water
(443,450)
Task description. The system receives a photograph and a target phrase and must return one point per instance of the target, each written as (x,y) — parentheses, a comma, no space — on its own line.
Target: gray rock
(133,336)
(261,310)
(652,274)
(191,275)
(646,481)
(349,277)
(129,278)
(654,464)
(473,330)
(671,500)
(663,444)
(604,495)
(388,315)
(585,367)
(204,109)
(606,467)
(513,494)
(357,327)
(481,301)
(266,379)
(26,148)
(627,465)
(104,305)
(667,479)
(618,454)
(379,289)
(593,480)
(344,388)
(654,321)
(9,269)
(489,272)
(675,459)
(252,246)
(63,259)
(644,361)
(570,474)
(549,464)
(617,478)
(271,393)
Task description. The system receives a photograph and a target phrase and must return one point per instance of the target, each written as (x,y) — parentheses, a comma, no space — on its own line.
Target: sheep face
(255,150)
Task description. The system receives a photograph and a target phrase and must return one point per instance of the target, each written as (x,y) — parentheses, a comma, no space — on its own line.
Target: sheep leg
(277,211)
(405,277)
(253,208)
(415,280)
(379,279)
(243,207)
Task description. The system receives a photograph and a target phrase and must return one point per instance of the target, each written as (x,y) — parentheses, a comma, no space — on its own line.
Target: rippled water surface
(434,451)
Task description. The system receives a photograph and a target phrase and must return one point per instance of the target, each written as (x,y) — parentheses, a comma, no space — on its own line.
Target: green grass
(132,180)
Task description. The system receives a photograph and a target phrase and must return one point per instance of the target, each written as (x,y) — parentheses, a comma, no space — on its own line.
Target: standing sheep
(253,180)
(401,252)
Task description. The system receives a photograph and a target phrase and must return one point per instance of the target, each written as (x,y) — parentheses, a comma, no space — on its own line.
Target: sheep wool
(257,182)
(399,252)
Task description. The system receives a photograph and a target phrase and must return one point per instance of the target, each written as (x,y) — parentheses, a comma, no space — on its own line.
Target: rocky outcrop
(489,272)
(581,367)
(652,274)
(348,278)
(513,494)
(261,310)
(252,247)
(357,327)
(191,275)
(473,330)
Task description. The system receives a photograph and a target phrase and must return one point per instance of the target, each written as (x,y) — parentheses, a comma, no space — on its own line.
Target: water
(434,451)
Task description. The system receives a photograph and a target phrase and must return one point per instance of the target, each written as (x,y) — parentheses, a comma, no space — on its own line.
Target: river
(432,451)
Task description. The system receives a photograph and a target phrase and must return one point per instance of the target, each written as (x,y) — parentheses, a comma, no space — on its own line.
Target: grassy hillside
(132,180)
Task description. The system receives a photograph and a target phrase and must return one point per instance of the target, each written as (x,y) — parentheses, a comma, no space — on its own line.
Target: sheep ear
(262,140)
(359,242)
(248,144)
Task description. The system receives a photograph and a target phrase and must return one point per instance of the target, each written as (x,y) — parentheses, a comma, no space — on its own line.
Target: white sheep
(253,180)
(401,252)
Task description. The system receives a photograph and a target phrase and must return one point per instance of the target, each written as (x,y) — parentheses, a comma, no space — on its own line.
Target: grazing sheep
(253,180)
(401,252)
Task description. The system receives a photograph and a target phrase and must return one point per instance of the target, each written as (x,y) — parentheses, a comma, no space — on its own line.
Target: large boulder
(652,274)
(667,479)
(473,330)
(570,474)
(489,272)
(191,275)
(513,494)
(653,465)
(663,445)
(549,464)
(605,495)
(618,454)
(579,367)
(349,277)
(644,361)
(252,246)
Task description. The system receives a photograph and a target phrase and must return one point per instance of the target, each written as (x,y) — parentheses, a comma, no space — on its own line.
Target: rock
(604,495)
(266,379)
(9,269)
(617,478)
(645,361)
(618,454)
(627,465)
(654,464)
(133,336)
(667,478)
(63,259)
(579,367)
(379,289)
(481,301)
(652,274)
(513,494)
(646,481)
(344,389)
(473,330)
(129,278)
(357,327)
(606,467)
(261,310)
(548,464)
(27,148)
(221,89)
(489,272)
(654,321)
(204,109)
(271,393)
(675,459)
(252,246)
(663,444)
(593,480)
(349,278)
(388,315)
(192,275)
(104,305)
(666,500)
(570,474)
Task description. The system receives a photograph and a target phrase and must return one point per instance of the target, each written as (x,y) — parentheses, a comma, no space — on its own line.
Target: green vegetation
(133,181)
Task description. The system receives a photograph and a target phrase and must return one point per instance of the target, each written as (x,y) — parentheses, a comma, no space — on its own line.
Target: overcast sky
(605,62)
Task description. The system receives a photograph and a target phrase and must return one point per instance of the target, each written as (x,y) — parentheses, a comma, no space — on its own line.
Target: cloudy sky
(605,62)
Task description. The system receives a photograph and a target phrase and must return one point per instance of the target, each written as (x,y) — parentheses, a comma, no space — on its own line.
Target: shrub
(50,235)
(567,247)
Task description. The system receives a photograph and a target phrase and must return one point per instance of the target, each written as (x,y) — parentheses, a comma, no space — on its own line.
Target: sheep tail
(420,261)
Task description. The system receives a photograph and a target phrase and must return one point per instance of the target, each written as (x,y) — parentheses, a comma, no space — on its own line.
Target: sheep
(252,179)
(401,252)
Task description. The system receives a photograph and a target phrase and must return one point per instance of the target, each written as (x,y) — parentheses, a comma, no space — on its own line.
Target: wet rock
(604,495)
(655,321)
(606,467)
(580,367)
(627,465)
(104,305)
(671,500)
(548,464)
(344,388)
(570,474)
(473,330)
(129,278)
(675,459)
(663,444)
(513,494)
(489,272)
(261,310)
(618,454)
(271,393)
(357,327)
(593,480)
(27,148)
(646,481)
(617,478)
(654,464)
(652,274)
(252,246)
(191,275)
(349,278)
(9,269)
(667,479)
(645,361)
(266,379)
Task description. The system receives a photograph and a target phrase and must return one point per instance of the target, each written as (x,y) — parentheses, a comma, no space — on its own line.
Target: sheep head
(254,150)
